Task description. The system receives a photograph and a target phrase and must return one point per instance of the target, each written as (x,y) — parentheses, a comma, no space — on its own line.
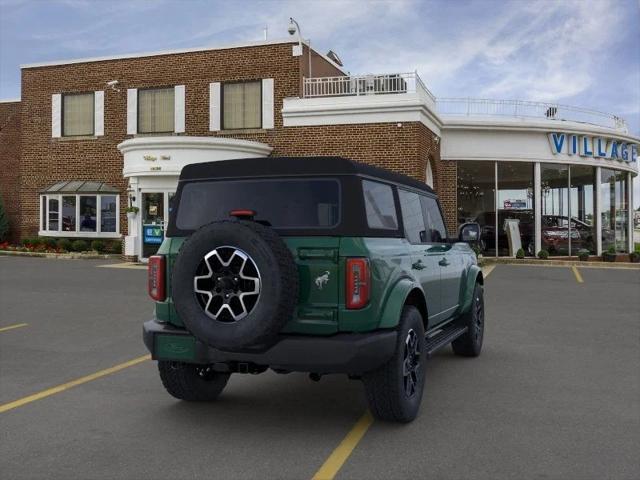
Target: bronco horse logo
(322,280)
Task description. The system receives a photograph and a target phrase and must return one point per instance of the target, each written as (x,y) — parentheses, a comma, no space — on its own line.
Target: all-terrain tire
(388,389)
(470,344)
(279,284)
(193,383)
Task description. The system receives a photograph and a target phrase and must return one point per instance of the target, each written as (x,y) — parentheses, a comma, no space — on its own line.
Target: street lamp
(293,28)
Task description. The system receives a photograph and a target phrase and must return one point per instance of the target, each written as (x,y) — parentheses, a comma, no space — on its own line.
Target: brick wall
(10,163)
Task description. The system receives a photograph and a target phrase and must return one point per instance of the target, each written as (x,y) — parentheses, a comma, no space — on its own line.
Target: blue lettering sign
(573,146)
(586,148)
(557,142)
(152,234)
(613,153)
(634,153)
(601,150)
(624,152)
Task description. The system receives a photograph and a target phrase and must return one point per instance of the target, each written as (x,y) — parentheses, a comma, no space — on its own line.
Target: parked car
(319,265)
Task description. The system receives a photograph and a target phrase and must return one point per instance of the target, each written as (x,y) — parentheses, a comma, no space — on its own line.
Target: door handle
(418,265)
(444,262)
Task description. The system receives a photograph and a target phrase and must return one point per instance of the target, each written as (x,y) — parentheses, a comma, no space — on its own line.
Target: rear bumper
(352,353)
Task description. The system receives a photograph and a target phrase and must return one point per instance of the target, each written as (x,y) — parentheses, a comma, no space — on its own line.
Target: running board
(443,338)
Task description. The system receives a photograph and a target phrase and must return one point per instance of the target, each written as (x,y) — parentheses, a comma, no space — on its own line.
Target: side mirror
(469,233)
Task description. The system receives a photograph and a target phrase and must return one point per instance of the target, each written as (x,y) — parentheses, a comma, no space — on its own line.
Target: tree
(4,222)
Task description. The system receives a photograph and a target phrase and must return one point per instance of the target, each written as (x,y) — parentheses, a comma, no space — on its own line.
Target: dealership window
(476,200)
(582,205)
(156,108)
(78,114)
(614,196)
(515,207)
(242,105)
(554,189)
(80,209)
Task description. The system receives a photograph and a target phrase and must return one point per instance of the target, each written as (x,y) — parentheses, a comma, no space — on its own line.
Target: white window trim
(179,109)
(98,113)
(45,232)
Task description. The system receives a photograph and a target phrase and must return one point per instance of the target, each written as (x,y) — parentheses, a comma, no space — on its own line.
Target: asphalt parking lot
(555,393)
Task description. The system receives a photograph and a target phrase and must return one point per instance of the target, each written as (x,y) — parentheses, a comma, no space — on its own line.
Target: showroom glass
(515,204)
(77,114)
(88,213)
(108,215)
(554,190)
(582,205)
(242,105)
(290,204)
(614,196)
(156,110)
(476,200)
(53,213)
(69,213)
(435,229)
(379,205)
(412,217)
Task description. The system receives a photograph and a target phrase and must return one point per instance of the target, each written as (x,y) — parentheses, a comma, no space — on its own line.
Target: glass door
(153,222)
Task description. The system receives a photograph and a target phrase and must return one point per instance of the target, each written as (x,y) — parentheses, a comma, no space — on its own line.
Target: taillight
(156,277)
(357,282)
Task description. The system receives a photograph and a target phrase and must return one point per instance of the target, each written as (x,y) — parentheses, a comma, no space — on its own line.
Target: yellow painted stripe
(487,269)
(74,383)
(332,465)
(131,265)
(577,274)
(11,327)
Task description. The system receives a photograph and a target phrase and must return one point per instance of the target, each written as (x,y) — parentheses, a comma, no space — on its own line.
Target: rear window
(284,203)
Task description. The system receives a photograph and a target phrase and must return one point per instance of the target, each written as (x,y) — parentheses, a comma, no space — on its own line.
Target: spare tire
(235,284)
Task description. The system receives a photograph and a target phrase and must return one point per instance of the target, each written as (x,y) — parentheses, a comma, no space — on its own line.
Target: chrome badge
(322,280)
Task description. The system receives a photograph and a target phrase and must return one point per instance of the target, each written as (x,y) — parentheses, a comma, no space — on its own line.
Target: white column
(630,212)
(598,212)
(537,206)
(132,111)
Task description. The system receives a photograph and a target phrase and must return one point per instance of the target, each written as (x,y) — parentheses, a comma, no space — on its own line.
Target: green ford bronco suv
(319,265)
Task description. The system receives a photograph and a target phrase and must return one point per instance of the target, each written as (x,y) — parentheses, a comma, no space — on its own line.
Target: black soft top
(293,166)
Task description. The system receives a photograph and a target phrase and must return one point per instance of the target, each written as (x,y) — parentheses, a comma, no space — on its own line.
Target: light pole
(293,28)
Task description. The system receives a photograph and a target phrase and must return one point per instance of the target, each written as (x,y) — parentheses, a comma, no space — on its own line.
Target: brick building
(91,137)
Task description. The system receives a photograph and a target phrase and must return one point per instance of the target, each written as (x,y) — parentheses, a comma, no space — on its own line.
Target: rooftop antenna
(266,32)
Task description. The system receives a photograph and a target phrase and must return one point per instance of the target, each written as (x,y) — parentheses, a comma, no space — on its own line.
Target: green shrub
(583,255)
(79,246)
(97,245)
(520,253)
(543,254)
(64,244)
(113,246)
(30,241)
(47,242)
(4,223)
(611,249)
(634,257)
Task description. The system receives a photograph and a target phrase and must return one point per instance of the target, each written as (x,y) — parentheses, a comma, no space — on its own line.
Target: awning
(80,186)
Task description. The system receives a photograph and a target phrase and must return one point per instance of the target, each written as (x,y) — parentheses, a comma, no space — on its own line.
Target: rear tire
(394,391)
(193,383)
(470,344)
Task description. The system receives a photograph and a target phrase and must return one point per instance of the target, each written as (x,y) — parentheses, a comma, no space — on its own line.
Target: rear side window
(284,203)
(436,232)
(379,205)
(412,216)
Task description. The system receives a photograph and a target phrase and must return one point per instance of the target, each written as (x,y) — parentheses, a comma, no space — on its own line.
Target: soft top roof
(293,166)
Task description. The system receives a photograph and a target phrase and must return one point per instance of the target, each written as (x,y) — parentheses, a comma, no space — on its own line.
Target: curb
(558,263)
(63,256)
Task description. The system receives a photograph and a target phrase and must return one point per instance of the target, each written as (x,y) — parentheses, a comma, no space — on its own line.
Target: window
(156,110)
(286,204)
(436,232)
(242,105)
(515,204)
(77,114)
(78,215)
(380,206)
(476,200)
(614,210)
(69,213)
(412,217)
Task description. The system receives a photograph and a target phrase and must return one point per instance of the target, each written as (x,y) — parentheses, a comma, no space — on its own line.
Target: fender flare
(395,302)
(474,274)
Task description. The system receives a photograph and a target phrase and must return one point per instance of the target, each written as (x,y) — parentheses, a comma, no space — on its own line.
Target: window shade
(77,114)
(242,105)
(156,110)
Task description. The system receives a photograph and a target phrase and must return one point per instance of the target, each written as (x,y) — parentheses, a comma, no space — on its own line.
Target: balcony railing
(356,85)
(521,108)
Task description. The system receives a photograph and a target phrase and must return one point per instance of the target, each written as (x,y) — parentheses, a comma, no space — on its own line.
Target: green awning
(80,186)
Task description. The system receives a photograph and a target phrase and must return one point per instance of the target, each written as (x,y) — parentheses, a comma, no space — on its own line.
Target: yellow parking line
(577,274)
(332,465)
(131,265)
(74,383)
(11,327)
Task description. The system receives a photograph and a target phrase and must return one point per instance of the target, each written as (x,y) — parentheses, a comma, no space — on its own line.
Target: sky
(576,52)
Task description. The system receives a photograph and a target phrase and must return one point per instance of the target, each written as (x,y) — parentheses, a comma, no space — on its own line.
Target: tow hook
(315,377)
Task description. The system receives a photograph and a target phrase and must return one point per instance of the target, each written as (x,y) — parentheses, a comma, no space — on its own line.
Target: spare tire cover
(235,284)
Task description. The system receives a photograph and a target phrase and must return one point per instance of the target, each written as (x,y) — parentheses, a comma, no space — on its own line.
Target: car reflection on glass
(555,234)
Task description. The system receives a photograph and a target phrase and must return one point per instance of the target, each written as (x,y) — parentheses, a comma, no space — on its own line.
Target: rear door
(450,263)
(424,266)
